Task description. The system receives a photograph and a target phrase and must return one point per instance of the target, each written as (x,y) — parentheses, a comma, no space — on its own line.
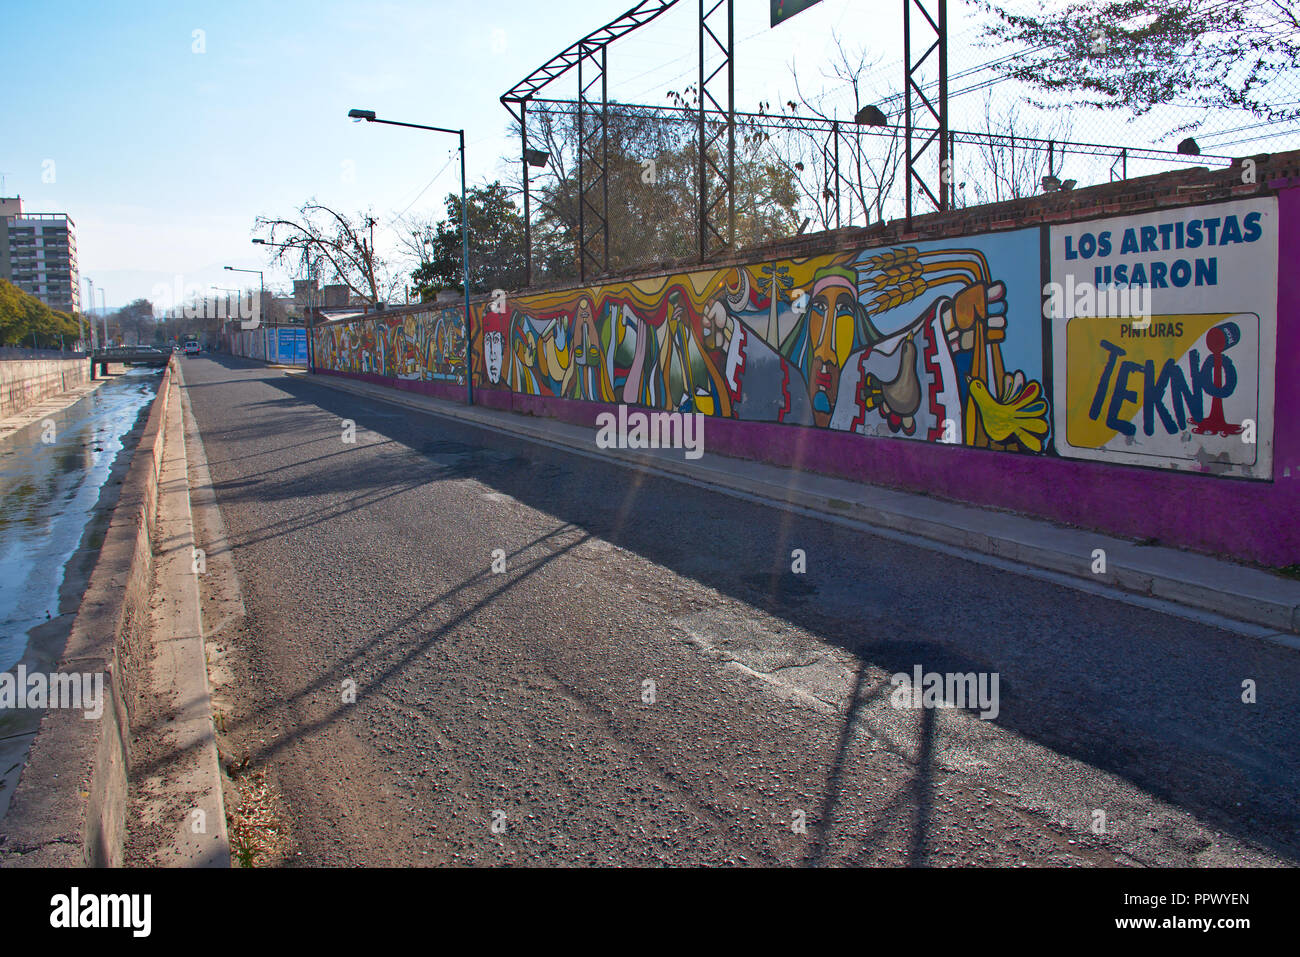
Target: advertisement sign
(1164,338)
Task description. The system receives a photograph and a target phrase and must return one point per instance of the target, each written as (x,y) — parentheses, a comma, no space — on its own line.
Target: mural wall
(425,346)
(938,342)
(1189,383)
(249,342)
(956,341)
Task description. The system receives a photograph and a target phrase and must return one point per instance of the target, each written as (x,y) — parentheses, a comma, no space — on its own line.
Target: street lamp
(228,290)
(261,291)
(94,330)
(871,116)
(369,117)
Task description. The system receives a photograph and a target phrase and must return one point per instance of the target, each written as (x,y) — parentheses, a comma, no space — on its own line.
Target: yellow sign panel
(1170,386)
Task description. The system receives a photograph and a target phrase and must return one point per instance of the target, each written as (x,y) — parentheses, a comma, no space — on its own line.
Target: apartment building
(38,254)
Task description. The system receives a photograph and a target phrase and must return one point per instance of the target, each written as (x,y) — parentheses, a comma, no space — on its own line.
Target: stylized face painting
(493,353)
(830,330)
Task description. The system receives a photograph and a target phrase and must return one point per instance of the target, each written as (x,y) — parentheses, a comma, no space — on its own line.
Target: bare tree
(862,173)
(342,245)
(1010,156)
(135,322)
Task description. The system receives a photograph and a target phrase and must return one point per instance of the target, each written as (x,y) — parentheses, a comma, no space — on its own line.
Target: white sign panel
(1164,330)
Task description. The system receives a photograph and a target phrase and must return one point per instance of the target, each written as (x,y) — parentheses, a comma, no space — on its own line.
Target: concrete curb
(1202,582)
(189,776)
(69,807)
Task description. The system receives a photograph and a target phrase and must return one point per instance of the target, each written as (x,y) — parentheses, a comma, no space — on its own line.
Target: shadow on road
(1082,675)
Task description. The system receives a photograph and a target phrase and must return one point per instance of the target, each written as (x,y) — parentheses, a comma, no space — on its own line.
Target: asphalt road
(510,718)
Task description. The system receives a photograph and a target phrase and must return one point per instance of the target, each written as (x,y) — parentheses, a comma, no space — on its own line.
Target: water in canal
(48,492)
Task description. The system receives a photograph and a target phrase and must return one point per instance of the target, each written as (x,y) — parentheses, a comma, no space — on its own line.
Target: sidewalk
(1209,585)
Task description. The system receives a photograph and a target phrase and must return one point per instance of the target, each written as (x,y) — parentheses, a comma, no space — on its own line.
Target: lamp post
(261,290)
(94,329)
(869,115)
(227,290)
(369,117)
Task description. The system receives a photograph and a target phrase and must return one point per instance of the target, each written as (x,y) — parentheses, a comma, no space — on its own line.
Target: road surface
(648,681)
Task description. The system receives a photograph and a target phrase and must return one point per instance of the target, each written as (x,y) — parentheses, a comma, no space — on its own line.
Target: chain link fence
(806,164)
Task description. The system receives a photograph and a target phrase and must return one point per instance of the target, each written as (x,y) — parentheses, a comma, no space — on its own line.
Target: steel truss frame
(938,114)
(709,199)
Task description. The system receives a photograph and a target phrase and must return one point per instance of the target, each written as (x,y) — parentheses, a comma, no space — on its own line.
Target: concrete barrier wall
(24,382)
(938,358)
(280,345)
(69,808)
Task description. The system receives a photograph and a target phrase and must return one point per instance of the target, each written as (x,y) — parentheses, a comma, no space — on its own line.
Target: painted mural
(1181,375)
(938,342)
(425,346)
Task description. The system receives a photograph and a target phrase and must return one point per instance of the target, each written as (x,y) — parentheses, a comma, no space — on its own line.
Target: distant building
(305,292)
(38,254)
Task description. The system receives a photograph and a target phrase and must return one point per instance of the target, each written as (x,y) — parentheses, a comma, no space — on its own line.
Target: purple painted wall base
(439,390)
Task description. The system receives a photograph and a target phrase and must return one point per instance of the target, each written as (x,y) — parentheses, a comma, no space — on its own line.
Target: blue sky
(163,156)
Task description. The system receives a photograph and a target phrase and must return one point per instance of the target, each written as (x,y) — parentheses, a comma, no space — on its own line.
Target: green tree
(1139,54)
(496,251)
(23,316)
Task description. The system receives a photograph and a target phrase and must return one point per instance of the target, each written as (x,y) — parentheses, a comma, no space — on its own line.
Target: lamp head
(871,116)
(359,115)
